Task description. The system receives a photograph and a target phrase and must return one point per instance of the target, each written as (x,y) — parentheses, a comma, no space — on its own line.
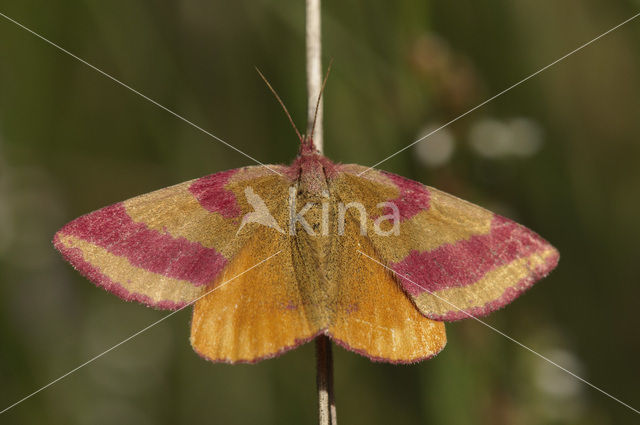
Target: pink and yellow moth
(381,283)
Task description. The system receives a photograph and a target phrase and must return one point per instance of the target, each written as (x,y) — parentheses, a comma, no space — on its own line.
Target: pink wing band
(76,258)
(412,198)
(467,261)
(113,229)
(211,194)
(510,293)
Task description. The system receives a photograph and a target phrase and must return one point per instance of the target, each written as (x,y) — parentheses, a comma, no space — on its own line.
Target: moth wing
(253,310)
(164,247)
(454,259)
(371,314)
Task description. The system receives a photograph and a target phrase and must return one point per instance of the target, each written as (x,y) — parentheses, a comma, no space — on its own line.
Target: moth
(373,260)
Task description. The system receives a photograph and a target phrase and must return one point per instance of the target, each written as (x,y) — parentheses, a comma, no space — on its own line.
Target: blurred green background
(558,154)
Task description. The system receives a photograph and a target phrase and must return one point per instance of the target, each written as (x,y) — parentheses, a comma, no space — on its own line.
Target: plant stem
(326,400)
(324,357)
(314,70)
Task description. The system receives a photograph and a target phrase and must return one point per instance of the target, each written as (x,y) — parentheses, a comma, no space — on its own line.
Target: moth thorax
(312,178)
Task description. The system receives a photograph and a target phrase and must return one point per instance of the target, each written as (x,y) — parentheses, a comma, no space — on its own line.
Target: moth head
(307,147)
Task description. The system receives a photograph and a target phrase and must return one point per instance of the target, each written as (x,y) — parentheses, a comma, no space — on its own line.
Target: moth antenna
(281,103)
(324,82)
